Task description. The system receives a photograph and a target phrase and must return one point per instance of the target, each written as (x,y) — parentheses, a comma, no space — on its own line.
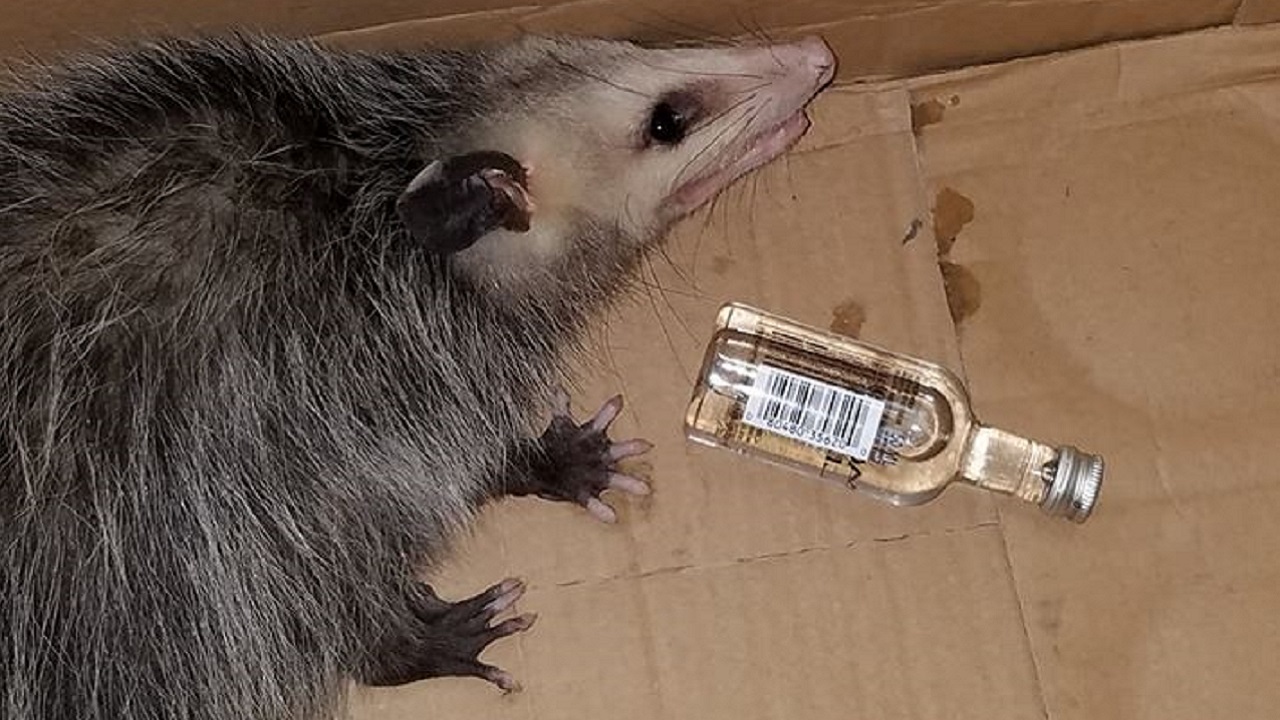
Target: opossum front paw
(449,637)
(452,203)
(582,462)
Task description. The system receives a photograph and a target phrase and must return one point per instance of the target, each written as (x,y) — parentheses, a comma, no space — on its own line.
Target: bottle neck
(1006,463)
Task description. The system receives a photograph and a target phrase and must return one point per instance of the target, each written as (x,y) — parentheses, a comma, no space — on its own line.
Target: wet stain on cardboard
(964,293)
(926,113)
(847,318)
(930,112)
(951,212)
(721,264)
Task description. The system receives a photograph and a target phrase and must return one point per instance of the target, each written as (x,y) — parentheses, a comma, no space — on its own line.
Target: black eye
(666,124)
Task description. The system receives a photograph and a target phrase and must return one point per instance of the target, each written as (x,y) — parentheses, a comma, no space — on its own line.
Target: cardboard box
(1088,236)
(873,37)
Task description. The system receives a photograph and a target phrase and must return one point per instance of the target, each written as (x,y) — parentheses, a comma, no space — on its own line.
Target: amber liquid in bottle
(896,427)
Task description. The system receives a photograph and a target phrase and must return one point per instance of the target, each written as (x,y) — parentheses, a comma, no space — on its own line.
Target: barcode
(814,412)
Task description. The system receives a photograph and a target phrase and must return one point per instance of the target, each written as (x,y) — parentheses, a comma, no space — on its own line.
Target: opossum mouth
(754,153)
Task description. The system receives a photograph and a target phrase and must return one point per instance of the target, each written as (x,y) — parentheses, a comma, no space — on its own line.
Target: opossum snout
(766,90)
(795,72)
(812,56)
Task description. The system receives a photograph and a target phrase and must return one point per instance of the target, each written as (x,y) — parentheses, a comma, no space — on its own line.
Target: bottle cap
(1074,484)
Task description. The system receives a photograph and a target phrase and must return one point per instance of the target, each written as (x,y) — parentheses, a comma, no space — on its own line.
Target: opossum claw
(630,448)
(600,511)
(502,596)
(605,416)
(498,677)
(577,462)
(628,484)
(449,638)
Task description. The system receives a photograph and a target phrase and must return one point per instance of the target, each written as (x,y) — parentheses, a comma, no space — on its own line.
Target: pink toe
(512,590)
(630,448)
(628,484)
(601,511)
(503,680)
(607,414)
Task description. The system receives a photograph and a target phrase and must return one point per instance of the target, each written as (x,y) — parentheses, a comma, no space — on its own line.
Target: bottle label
(814,412)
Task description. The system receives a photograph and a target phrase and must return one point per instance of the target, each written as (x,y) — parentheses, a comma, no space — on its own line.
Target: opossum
(277,320)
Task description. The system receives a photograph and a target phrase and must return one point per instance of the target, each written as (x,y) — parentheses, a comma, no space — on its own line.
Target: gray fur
(239,405)
(235,406)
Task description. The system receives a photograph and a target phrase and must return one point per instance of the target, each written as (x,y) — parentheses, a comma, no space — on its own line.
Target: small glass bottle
(896,427)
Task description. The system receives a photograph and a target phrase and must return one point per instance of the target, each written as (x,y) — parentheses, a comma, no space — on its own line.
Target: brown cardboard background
(1257,12)
(1124,239)
(874,37)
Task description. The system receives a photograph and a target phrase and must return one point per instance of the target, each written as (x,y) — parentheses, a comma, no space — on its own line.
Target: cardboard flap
(1258,12)
(874,38)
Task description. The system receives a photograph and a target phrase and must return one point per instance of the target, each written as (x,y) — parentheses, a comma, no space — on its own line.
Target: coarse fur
(240,402)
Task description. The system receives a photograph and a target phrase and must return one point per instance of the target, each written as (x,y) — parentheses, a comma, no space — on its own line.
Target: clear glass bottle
(893,426)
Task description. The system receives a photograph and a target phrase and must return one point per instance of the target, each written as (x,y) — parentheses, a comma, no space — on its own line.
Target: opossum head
(620,140)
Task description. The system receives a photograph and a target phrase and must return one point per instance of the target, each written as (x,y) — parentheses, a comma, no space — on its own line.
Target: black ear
(453,203)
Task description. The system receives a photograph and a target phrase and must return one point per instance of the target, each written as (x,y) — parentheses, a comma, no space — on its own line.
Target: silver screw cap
(1074,486)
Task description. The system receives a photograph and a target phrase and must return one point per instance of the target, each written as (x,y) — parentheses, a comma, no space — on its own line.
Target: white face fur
(632,139)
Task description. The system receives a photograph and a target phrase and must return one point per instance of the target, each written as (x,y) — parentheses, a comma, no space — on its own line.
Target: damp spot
(847,318)
(964,293)
(951,212)
(926,113)
(721,264)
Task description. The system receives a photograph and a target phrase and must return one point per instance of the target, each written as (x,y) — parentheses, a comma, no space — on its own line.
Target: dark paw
(450,638)
(583,461)
(454,202)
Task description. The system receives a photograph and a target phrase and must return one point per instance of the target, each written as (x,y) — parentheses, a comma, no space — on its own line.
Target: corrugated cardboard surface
(874,37)
(1257,12)
(1110,225)
(1124,237)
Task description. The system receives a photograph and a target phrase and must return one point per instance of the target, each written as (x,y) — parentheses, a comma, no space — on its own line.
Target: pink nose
(815,53)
